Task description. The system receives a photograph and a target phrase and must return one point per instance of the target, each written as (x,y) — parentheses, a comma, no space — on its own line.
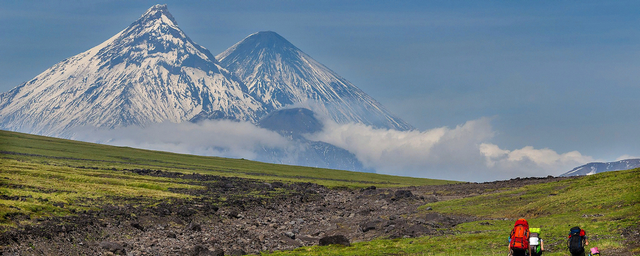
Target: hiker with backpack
(519,239)
(576,242)
(536,245)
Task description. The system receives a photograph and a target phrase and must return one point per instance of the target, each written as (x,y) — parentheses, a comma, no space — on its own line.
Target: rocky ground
(238,216)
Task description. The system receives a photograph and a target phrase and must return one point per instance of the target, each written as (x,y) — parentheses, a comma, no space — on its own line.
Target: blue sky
(562,75)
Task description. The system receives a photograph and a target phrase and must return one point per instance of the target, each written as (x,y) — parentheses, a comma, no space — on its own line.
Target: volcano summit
(150,72)
(279,74)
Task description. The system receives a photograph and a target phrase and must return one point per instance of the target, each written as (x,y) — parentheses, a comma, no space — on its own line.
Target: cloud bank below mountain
(209,138)
(460,153)
(464,152)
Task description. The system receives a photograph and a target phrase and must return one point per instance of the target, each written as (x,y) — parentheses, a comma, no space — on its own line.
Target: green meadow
(603,204)
(43,177)
(38,173)
(81,155)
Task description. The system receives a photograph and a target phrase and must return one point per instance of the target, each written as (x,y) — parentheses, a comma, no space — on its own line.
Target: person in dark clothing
(577,241)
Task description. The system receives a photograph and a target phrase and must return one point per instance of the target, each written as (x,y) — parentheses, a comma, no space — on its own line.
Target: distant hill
(34,148)
(593,168)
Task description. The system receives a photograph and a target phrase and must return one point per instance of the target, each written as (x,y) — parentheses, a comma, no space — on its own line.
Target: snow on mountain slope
(593,168)
(279,74)
(148,73)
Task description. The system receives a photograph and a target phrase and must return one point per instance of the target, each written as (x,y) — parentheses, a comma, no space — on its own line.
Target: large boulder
(200,250)
(217,252)
(400,194)
(368,226)
(337,239)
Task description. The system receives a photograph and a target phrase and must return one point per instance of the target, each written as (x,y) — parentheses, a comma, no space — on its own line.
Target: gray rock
(113,247)
(337,239)
(199,250)
(368,226)
(217,252)
(137,226)
(290,234)
(237,252)
(403,194)
(194,227)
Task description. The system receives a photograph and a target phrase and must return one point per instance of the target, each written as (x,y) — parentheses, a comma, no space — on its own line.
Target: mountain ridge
(599,167)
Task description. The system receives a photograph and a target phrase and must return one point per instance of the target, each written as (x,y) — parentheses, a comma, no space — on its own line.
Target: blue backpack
(576,237)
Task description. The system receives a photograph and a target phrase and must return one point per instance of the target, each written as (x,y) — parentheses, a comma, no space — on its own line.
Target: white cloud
(211,138)
(529,161)
(460,153)
(625,157)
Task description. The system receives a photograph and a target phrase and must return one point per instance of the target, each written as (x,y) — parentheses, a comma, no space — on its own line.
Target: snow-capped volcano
(279,74)
(149,72)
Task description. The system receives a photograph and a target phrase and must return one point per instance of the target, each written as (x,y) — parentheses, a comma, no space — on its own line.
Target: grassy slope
(38,174)
(602,204)
(75,154)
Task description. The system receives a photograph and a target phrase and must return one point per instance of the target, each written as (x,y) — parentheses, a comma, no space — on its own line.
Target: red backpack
(520,235)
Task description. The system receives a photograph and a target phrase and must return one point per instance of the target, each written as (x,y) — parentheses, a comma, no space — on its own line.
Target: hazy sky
(560,76)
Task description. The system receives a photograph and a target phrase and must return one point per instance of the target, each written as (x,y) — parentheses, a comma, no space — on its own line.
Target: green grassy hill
(39,172)
(73,154)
